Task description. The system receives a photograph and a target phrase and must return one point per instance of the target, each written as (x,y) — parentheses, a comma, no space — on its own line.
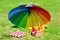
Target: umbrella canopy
(28,16)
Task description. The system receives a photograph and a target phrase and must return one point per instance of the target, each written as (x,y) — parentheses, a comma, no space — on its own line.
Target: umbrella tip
(29,5)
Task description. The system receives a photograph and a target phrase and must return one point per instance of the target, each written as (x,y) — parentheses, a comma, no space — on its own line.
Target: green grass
(53,31)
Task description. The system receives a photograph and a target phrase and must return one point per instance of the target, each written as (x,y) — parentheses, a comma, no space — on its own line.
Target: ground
(53,29)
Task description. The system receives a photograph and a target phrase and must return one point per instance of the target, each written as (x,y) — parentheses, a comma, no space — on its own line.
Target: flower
(18,34)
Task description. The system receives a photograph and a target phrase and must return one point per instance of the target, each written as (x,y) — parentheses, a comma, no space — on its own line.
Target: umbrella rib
(22,18)
(34,16)
(40,17)
(31,18)
(44,16)
(17,16)
(44,12)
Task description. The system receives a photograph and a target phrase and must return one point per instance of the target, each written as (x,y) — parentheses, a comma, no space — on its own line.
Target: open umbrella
(28,15)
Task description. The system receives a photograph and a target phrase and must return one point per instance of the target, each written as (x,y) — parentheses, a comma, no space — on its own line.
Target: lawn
(53,29)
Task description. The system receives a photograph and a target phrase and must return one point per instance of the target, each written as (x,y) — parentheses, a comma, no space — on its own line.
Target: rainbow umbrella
(28,16)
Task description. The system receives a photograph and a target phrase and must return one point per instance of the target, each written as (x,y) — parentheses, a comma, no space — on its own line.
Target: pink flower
(18,34)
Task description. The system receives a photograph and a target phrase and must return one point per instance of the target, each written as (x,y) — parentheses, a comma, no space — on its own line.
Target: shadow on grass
(45,27)
(14,27)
